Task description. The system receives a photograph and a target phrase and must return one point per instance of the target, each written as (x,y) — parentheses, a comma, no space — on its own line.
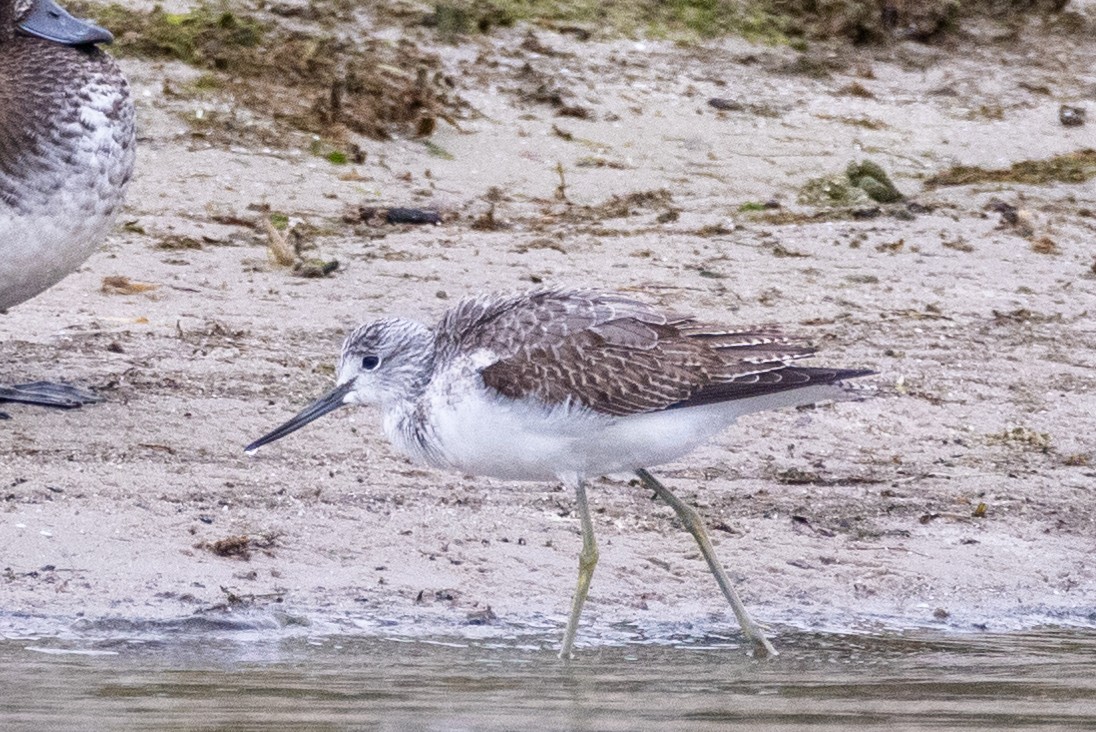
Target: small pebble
(1071,116)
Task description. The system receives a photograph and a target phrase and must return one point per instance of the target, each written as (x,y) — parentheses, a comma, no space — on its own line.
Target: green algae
(1074,167)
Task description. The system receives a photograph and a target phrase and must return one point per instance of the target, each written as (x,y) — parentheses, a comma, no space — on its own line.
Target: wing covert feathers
(619,356)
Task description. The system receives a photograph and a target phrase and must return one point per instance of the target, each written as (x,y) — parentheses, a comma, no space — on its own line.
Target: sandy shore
(963,495)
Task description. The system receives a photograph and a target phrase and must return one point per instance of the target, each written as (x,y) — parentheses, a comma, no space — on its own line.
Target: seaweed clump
(1074,167)
(870,177)
(769,21)
(862,182)
(311,79)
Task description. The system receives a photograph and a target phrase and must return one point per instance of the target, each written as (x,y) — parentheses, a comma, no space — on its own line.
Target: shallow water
(253,681)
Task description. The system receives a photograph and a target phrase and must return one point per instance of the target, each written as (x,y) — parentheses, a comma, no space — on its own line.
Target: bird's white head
(386,361)
(383,363)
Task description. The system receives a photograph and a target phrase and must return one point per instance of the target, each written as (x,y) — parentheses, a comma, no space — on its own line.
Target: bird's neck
(410,432)
(406,415)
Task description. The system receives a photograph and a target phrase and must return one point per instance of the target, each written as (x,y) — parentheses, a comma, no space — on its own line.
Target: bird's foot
(47,394)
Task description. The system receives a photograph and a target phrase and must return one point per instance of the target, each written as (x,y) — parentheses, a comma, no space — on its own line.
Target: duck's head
(47,20)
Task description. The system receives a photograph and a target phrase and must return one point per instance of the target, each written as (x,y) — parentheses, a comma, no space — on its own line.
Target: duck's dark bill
(48,20)
(329,402)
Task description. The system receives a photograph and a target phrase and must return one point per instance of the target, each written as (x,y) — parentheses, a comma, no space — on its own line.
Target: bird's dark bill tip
(329,402)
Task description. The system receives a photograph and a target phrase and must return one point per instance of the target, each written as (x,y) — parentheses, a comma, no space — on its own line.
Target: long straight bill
(329,402)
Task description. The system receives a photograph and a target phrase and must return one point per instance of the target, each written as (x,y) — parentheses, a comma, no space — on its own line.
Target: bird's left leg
(587,560)
(761,645)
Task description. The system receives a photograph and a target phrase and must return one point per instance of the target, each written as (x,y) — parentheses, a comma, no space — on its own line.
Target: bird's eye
(370,362)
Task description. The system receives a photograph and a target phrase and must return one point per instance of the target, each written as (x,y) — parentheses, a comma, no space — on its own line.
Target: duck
(67,152)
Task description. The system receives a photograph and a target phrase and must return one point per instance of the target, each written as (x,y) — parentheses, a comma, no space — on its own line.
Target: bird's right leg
(761,646)
(587,560)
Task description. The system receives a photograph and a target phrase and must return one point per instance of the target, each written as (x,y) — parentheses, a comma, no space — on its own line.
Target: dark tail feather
(770,382)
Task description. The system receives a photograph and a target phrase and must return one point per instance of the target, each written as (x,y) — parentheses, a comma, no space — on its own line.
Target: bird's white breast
(482,434)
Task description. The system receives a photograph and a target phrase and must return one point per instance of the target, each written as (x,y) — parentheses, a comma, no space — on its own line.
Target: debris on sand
(1022,437)
(240,546)
(766,21)
(1071,116)
(1074,167)
(873,180)
(308,77)
(377,215)
(281,251)
(830,191)
(286,250)
(119,285)
(862,182)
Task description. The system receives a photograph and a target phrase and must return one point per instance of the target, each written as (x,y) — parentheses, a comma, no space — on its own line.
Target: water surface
(194,681)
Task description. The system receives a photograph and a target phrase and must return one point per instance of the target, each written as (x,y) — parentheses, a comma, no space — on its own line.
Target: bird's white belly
(525,441)
(480,434)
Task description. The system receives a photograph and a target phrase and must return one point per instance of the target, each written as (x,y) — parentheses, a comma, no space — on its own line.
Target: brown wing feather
(614,354)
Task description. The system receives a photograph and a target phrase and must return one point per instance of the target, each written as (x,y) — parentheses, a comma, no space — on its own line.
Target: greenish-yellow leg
(587,560)
(761,646)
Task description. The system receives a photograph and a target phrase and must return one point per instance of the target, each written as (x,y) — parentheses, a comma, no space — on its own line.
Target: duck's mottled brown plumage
(67,138)
(37,114)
